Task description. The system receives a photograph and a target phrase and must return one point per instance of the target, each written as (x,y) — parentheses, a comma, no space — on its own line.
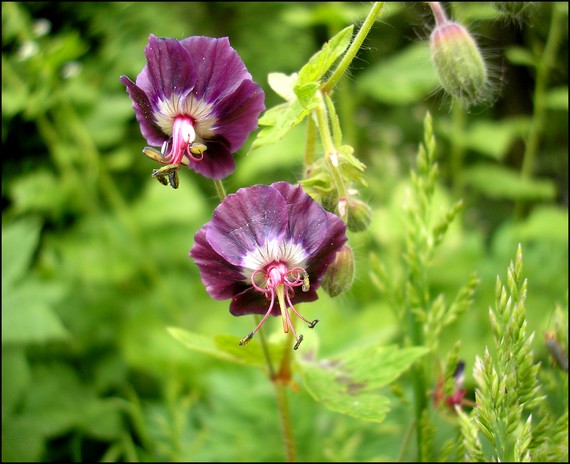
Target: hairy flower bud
(340,274)
(457,60)
(359,215)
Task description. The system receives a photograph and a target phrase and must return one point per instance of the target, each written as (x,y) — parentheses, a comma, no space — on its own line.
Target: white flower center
(291,254)
(198,110)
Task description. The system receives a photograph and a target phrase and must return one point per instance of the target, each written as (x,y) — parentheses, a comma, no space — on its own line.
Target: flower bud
(340,274)
(457,60)
(359,215)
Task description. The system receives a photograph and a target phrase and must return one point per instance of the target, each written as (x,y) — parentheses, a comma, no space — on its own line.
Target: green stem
(331,156)
(545,64)
(281,382)
(283,407)
(220,190)
(419,382)
(353,49)
(438,13)
(310,143)
(406,441)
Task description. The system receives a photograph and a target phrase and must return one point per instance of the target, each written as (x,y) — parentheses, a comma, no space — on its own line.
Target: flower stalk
(331,156)
(353,49)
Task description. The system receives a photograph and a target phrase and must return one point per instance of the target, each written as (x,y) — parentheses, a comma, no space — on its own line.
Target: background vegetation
(95,262)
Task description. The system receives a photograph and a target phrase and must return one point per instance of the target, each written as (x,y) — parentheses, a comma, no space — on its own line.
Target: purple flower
(195,99)
(267,248)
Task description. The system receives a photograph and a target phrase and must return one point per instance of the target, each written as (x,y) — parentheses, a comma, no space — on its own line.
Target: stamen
(247,338)
(281,282)
(287,323)
(285,318)
(153,154)
(197,148)
(311,324)
(174,180)
(306,284)
(165,170)
(189,154)
(161,179)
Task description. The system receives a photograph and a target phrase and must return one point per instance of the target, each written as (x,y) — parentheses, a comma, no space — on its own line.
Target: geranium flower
(267,248)
(196,100)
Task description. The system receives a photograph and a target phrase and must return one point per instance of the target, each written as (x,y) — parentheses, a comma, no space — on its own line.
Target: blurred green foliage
(95,264)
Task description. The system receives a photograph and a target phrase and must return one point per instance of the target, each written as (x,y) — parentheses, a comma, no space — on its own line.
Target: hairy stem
(331,156)
(283,407)
(353,49)
(220,190)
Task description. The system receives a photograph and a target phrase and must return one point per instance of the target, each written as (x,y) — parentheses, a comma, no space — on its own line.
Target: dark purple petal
(170,69)
(221,279)
(219,68)
(324,256)
(245,220)
(307,219)
(238,112)
(218,161)
(251,301)
(144,113)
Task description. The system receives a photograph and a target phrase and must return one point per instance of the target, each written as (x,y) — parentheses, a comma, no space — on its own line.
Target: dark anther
(298,342)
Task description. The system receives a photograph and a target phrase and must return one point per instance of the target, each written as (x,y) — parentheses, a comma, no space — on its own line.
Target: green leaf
(520,56)
(15,378)
(19,241)
(101,419)
(225,347)
(344,384)
(27,315)
(22,441)
(351,167)
(307,94)
(283,85)
(545,223)
(493,138)
(279,119)
(500,182)
(321,62)
(402,79)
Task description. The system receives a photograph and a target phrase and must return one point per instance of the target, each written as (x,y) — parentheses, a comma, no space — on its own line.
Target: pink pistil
(183,136)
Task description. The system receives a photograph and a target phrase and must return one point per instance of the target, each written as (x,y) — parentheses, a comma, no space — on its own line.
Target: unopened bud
(340,274)
(359,215)
(457,60)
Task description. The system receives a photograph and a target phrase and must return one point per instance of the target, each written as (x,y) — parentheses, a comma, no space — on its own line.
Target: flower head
(267,248)
(196,100)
